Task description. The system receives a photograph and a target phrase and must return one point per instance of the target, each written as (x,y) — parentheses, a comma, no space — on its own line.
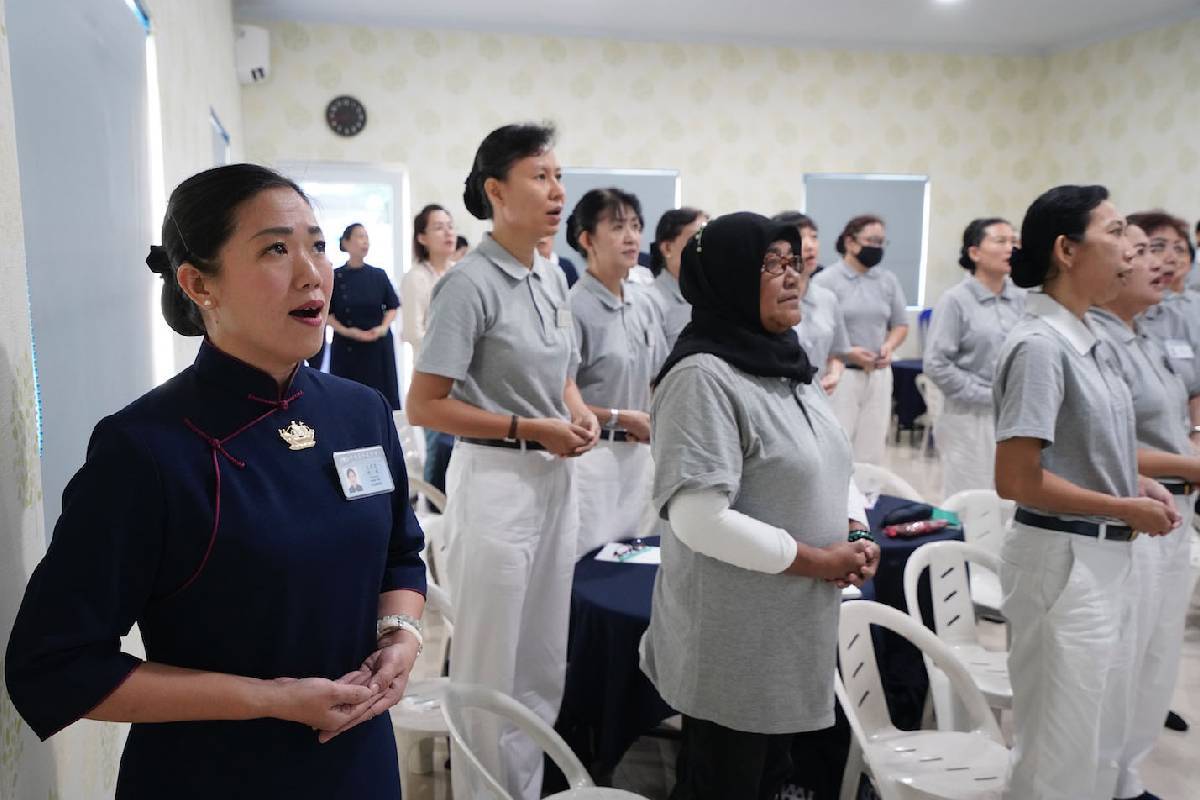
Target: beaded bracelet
(856,535)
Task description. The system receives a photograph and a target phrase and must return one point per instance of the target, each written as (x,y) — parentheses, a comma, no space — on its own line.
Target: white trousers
(511,522)
(615,480)
(966,444)
(1071,606)
(862,402)
(1166,582)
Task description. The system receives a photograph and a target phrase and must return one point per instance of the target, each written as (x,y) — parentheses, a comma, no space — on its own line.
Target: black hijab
(720,276)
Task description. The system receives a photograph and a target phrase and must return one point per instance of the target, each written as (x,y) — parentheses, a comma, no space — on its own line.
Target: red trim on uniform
(217,447)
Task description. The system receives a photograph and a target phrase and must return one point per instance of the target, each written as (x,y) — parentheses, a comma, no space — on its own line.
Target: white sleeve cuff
(856,505)
(703,521)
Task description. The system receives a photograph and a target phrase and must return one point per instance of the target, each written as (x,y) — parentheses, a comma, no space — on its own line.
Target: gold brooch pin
(298,436)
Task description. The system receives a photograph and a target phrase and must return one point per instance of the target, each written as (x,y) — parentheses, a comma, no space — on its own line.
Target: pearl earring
(208,303)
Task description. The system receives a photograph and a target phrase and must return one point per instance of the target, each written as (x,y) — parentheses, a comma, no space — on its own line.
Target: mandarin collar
(217,367)
(490,249)
(607,299)
(1063,322)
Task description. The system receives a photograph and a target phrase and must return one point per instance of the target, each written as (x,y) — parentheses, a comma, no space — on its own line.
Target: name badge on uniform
(562,318)
(363,472)
(1179,348)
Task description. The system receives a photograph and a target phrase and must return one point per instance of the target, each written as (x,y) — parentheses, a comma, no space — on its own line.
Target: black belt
(510,444)
(1183,488)
(617,436)
(1116,533)
(853,366)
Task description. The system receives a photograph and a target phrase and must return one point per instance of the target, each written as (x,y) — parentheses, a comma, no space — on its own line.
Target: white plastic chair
(873,479)
(460,697)
(954,624)
(935,403)
(985,517)
(412,442)
(417,719)
(904,765)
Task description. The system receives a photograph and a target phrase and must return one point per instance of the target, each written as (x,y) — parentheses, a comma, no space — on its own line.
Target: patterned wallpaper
(743,124)
(1127,112)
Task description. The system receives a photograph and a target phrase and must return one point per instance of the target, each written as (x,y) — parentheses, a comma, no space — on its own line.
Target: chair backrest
(923,320)
(438,599)
(865,705)
(462,696)
(880,480)
(434,554)
(949,587)
(984,515)
(935,401)
(411,442)
(418,487)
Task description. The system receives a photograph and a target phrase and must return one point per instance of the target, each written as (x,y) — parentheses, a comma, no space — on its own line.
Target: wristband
(512,429)
(857,535)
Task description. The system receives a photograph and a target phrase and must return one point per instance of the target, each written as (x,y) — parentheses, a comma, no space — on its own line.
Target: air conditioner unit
(252,52)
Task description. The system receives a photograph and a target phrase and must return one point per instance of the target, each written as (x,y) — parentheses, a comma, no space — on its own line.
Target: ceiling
(982,26)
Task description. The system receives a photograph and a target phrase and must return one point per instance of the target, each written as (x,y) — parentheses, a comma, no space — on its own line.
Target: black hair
(670,225)
(201,216)
(853,227)
(1061,211)
(346,234)
(797,219)
(592,206)
(973,237)
(495,157)
(420,223)
(461,242)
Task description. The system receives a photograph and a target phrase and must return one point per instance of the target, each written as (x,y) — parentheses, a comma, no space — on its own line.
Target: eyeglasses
(873,242)
(775,264)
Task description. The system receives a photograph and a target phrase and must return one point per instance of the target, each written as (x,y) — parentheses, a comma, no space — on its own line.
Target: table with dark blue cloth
(608,702)
(909,403)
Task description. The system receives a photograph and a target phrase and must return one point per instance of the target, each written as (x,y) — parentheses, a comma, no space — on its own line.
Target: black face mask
(869,256)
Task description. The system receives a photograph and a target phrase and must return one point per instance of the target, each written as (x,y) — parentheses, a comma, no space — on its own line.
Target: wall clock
(345,115)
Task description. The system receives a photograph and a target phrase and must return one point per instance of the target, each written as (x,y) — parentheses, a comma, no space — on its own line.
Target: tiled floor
(1172,770)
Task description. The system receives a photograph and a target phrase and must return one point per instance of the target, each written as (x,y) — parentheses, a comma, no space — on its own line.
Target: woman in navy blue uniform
(280,618)
(364,305)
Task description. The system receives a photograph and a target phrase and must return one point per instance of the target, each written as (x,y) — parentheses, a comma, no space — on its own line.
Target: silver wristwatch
(400,622)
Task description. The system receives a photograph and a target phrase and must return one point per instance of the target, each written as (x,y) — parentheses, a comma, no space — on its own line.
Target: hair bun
(159,261)
(473,196)
(1024,272)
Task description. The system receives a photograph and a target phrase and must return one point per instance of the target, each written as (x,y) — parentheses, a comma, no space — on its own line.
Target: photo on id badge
(363,472)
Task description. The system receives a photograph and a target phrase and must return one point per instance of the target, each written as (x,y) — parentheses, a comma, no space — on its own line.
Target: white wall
(196,72)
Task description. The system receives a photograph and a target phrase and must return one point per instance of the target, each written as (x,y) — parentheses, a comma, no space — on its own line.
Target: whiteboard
(902,201)
(658,190)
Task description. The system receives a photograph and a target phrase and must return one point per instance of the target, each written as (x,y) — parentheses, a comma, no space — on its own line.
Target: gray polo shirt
(1160,401)
(621,343)
(1175,322)
(822,328)
(503,332)
(676,311)
(748,650)
(1053,383)
(967,329)
(872,302)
